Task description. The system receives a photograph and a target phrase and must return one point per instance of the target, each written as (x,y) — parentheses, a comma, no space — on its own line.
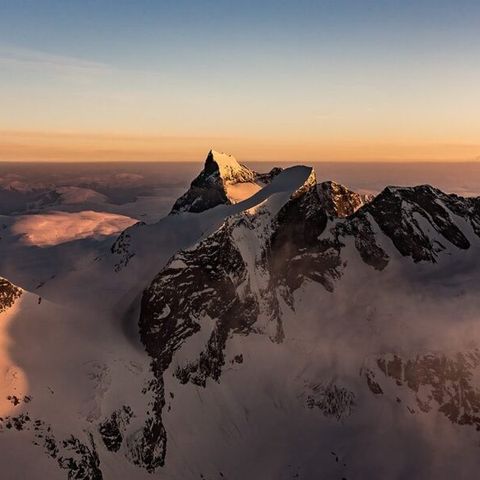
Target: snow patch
(163,314)
(241,191)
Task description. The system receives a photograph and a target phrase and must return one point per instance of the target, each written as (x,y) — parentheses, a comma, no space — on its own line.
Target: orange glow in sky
(73,147)
(278,81)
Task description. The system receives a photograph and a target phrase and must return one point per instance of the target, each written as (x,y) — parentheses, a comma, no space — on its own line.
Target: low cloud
(55,228)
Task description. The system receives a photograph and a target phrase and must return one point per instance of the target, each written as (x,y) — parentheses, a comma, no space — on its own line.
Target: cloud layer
(54,228)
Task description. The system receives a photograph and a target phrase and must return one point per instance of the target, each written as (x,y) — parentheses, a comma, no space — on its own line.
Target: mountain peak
(223,180)
(229,170)
(339,200)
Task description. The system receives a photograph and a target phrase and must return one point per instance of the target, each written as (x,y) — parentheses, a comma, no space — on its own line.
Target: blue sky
(135,32)
(319,73)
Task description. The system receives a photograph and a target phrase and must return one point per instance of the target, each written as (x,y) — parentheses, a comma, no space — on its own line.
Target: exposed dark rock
(122,247)
(268,177)
(147,449)
(399,212)
(9,293)
(113,428)
(437,381)
(297,249)
(373,385)
(339,201)
(332,400)
(360,228)
(80,460)
(238,358)
(14,400)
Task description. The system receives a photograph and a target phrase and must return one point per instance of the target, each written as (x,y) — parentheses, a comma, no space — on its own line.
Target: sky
(298,80)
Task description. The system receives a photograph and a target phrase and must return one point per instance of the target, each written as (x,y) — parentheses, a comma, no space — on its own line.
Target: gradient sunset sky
(297,80)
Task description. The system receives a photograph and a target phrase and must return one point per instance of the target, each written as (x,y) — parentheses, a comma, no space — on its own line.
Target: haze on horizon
(273,80)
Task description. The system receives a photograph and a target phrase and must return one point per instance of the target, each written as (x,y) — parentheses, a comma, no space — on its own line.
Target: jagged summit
(227,168)
(423,221)
(339,200)
(223,181)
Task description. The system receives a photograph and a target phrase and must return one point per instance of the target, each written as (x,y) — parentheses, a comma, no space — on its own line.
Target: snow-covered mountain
(299,331)
(285,311)
(69,195)
(223,181)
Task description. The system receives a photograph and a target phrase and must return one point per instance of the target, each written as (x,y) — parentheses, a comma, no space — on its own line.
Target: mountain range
(273,325)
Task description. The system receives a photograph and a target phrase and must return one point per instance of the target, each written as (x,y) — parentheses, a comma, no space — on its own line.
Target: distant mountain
(65,196)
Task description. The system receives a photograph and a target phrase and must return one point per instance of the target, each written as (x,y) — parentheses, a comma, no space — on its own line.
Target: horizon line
(299,162)
(30,146)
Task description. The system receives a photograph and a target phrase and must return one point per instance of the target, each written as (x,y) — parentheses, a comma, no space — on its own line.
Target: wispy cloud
(12,56)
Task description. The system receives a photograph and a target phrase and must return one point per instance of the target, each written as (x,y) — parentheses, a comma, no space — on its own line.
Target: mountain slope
(113,394)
